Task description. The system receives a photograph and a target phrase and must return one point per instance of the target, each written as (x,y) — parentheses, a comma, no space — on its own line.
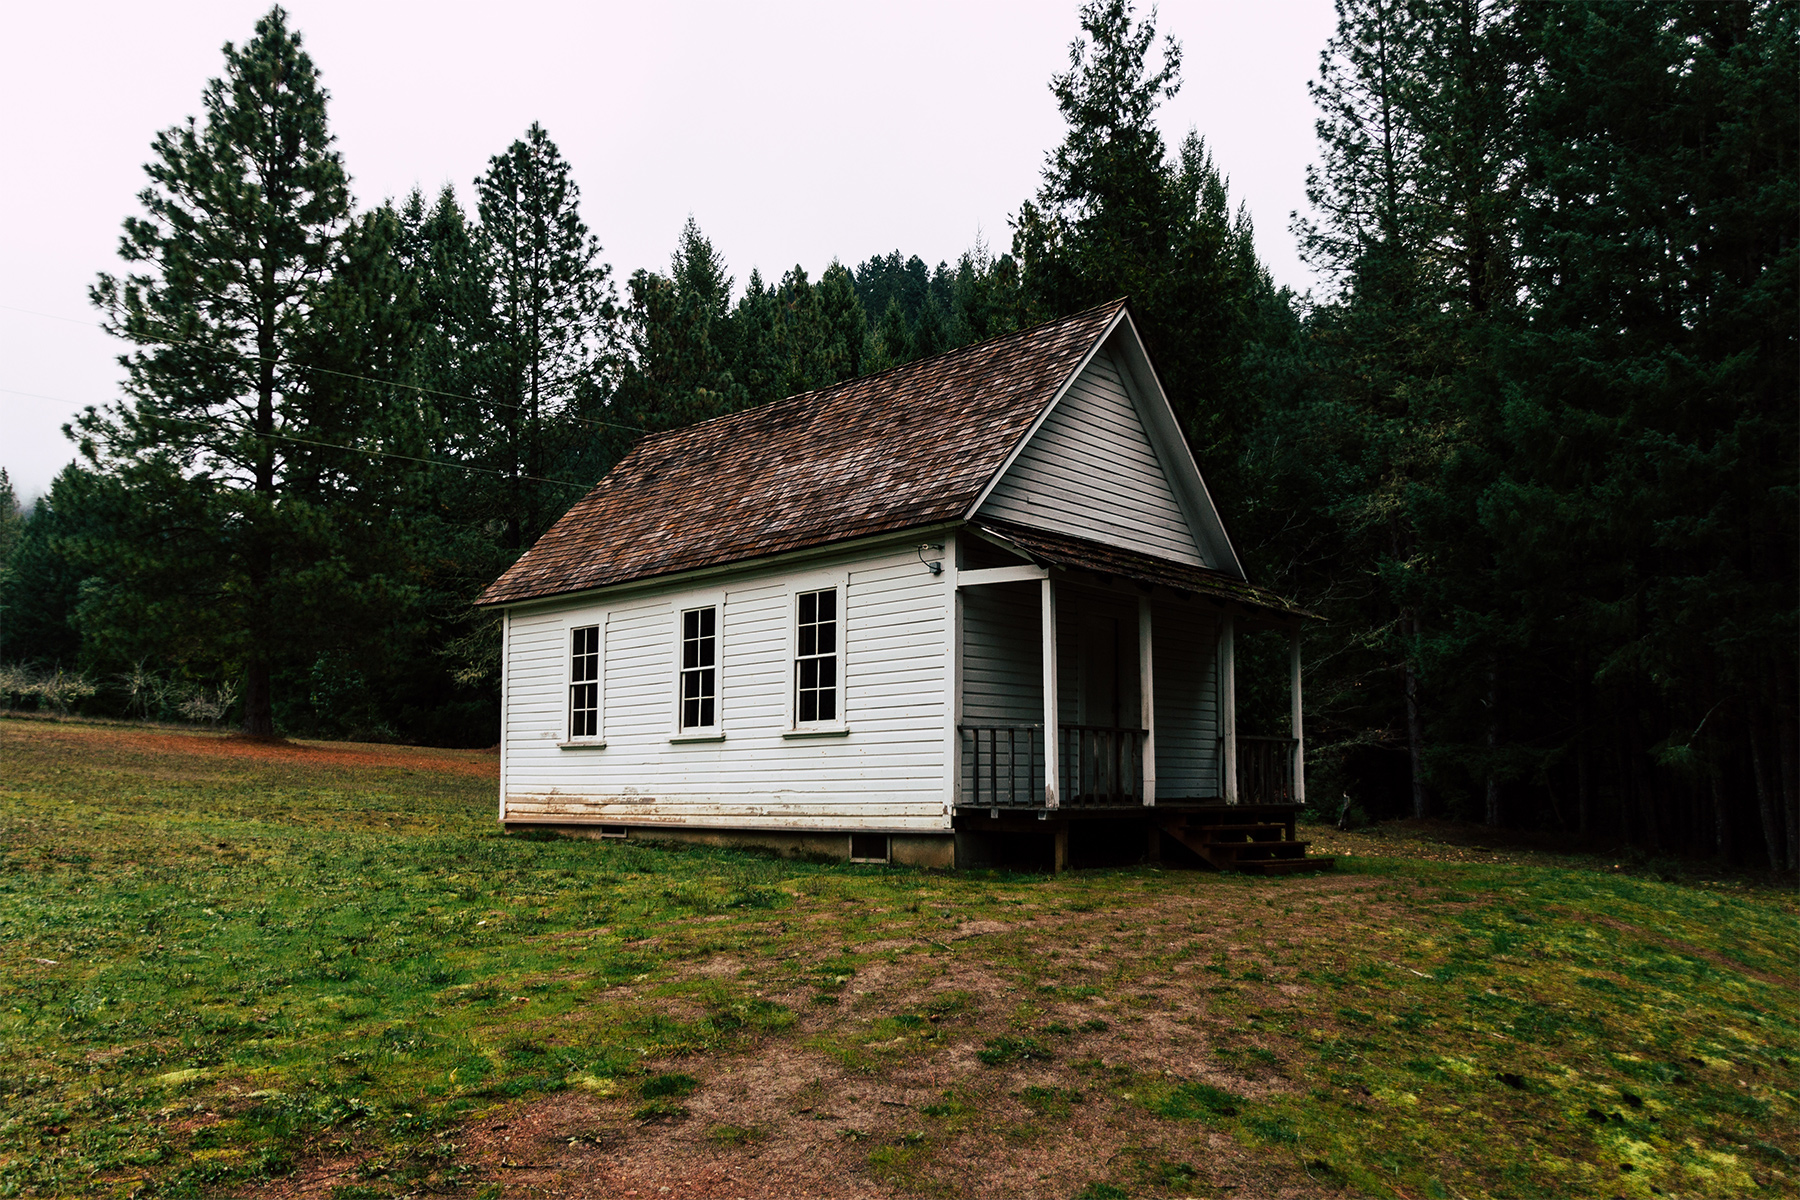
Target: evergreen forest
(1530,450)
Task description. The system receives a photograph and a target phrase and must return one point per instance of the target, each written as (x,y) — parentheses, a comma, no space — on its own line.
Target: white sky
(794,132)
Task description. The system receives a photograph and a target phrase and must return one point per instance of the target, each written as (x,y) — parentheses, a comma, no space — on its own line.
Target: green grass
(213,969)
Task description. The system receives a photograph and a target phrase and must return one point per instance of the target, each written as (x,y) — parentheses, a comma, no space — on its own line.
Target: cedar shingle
(909,447)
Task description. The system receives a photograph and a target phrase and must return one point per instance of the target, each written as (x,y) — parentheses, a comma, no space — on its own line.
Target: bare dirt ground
(271,752)
(824,1111)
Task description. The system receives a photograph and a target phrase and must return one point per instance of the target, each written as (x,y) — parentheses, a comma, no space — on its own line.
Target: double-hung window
(699,668)
(816,658)
(584,683)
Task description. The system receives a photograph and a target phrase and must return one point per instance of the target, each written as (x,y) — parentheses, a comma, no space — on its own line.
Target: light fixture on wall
(936,568)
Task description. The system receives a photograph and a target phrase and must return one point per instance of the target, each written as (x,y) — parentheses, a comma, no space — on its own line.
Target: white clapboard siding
(886,772)
(1184,636)
(1091,471)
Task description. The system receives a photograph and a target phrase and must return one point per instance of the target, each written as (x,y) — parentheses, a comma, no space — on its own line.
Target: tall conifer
(240,222)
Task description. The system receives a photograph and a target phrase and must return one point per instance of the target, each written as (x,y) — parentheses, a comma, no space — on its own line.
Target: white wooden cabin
(971,608)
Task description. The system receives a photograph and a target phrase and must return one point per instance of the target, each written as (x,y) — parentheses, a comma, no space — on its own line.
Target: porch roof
(1071,553)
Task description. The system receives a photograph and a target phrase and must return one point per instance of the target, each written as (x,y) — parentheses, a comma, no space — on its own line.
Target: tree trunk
(1584,792)
(1774,837)
(1415,728)
(1721,816)
(1493,744)
(259,711)
(1584,783)
(1789,790)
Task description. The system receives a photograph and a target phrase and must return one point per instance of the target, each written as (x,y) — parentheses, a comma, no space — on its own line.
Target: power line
(328,371)
(284,437)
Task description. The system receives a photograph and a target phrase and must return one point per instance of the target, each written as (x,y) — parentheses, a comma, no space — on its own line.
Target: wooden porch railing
(1101,764)
(1265,767)
(1096,765)
(1006,764)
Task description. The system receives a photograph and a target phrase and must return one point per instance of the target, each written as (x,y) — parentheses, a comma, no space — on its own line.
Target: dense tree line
(1532,453)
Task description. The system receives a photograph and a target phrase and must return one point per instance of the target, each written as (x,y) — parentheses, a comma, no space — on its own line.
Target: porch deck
(1252,838)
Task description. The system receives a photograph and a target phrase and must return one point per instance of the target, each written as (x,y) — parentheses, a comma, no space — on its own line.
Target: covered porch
(1097,690)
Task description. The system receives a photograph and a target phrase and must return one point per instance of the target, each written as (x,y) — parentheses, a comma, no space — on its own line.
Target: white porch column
(1299,732)
(1052,788)
(1228,708)
(1147,700)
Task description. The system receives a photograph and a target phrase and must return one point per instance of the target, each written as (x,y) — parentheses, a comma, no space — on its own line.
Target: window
(816,658)
(699,668)
(584,682)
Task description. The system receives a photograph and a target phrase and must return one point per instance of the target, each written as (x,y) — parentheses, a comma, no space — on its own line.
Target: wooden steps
(1230,844)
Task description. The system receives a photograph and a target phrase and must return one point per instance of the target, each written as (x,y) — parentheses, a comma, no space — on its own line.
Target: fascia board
(1172,449)
(686,579)
(1019,447)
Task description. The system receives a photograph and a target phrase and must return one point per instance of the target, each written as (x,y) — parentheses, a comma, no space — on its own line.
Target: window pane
(706,622)
(809,673)
(828,605)
(827,639)
(809,706)
(828,705)
(809,639)
(690,624)
(809,607)
(705,655)
(706,711)
(827,672)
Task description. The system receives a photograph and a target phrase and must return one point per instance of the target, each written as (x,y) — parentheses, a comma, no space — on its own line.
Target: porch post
(1228,707)
(1299,732)
(1146,700)
(1052,790)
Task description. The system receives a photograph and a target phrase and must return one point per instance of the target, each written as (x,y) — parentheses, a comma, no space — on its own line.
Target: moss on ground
(214,968)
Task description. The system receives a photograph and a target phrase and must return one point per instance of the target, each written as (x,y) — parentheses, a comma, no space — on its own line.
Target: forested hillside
(1532,451)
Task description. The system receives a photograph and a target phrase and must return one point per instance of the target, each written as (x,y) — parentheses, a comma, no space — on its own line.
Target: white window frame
(681,607)
(597,740)
(838,581)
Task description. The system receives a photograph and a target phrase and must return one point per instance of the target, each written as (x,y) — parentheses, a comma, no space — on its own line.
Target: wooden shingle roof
(909,447)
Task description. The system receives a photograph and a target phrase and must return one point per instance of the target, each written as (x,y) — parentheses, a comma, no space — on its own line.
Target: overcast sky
(792,132)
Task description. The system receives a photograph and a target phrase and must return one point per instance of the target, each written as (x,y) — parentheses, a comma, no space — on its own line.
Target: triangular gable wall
(1107,463)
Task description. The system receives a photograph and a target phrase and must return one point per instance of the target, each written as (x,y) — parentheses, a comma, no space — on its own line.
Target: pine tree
(554,314)
(681,340)
(1116,215)
(1654,425)
(242,216)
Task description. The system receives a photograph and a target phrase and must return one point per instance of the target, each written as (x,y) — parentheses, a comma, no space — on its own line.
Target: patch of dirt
(831,1108)
(476,763)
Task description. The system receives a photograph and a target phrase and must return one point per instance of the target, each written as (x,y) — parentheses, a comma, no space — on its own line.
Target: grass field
(321,970)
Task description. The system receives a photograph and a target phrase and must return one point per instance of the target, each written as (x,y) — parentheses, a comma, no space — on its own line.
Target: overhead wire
(421,389)
(286,437)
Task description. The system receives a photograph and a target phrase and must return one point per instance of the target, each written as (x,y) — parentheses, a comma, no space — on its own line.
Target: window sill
(716,735)
(599,745)
(825,731)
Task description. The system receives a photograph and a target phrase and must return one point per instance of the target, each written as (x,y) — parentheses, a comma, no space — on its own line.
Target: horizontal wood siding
(1002,662)
(887,772)
(1090,471)
(1183,645)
